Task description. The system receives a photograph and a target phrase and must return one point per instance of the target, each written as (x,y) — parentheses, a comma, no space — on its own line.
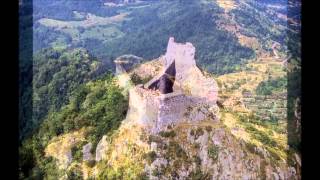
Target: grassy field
(90,21)
(92,27)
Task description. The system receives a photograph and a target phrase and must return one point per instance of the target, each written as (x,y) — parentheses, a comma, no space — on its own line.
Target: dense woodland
(56,74)
(217,51)
(25,66)
(98,104)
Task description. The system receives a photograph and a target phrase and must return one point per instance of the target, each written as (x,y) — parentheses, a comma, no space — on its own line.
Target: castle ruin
(180,92)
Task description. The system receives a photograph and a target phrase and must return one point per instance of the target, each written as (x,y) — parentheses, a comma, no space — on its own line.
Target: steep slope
(55,150)
(180,135)
(188,149)
(56,74)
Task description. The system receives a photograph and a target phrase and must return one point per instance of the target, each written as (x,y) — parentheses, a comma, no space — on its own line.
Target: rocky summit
(174,130)
(182,134)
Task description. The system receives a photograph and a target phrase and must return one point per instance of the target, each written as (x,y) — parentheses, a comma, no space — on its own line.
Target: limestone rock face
(125,63)
(101,148)
(87,156)
(183,129)
(60,147)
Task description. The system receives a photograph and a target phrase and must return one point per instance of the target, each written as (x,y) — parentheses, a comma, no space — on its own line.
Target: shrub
(91,163)
(192,132)
(208,128)
(199,132)
(167,133)
(144,137)
(271,85)
(250,147)
(136,79)
(197,160)
(196,145)
(175,151)
(153,138)
(263,165)
(261,136)
(199,175)
(157,172)
(150,157)
(265,139)
(75,174)
(76,152)
(213,151)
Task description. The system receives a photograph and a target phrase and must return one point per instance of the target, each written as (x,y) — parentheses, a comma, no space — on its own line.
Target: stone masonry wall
(193,96)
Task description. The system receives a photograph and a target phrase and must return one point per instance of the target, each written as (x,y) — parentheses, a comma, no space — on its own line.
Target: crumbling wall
(172,108)
(191,100)
(156,111)
(143,106)
(189,78)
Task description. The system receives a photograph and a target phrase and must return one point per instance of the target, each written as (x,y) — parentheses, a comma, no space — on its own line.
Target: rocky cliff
(183,135)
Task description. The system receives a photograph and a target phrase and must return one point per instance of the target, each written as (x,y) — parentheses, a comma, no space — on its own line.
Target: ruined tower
(181,85)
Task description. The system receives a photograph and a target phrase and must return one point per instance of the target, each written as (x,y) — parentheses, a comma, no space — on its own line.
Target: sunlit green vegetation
(272,85)
(98,104)
(213,152)
(150,157)
(56,74)
(136,79)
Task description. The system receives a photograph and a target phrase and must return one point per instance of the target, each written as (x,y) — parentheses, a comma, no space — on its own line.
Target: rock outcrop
(125,63)
(101,149)
(86,151)
(180,133)
(60,147)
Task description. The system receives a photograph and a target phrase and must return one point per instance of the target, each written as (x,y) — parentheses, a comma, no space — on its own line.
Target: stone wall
(172,108)
(156,111)
(189,78)
(143,106)
(193,97)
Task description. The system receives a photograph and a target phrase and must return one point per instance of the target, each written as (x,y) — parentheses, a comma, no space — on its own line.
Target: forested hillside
(117,28)
(97,106)
(56,74)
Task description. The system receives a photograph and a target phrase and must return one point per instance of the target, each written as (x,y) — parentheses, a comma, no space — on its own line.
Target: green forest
(191,21)
(98,104)
(56,74)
